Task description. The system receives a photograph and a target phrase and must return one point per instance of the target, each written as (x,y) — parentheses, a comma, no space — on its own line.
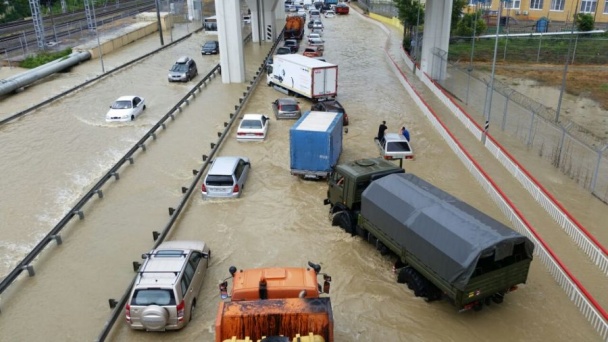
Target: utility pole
(490,91)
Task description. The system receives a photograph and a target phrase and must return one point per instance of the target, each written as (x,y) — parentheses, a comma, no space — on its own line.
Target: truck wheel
(403,277)
(361,232)
(344,221)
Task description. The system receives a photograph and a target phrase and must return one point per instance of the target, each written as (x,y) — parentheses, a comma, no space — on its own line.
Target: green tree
(465,26)
(411,12)
(584,22)
(15,10)
(457,9)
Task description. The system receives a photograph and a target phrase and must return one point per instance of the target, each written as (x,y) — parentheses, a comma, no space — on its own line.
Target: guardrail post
(136,265)
(142,146)
(184,189)
(153,136)
(219,134)
(57,239)
(99,193)
(231,115)
(205,157)
(79,213)
(155,235)
(163,125)
(195,172)
(212,146)
(225,124)
(116,175)
(236,107)
(112,302)
(30,270)
(173,116)
(171,211)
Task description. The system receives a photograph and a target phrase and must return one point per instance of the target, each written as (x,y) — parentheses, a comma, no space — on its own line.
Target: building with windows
(553,10)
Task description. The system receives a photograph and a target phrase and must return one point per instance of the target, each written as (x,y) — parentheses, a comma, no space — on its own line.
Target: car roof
(224,165)
(214,42)
(287,100)
(253,116)
(394,137)
(183,60)
(126,98)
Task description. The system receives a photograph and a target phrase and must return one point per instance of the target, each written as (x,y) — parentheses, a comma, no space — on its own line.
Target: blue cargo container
(315,144)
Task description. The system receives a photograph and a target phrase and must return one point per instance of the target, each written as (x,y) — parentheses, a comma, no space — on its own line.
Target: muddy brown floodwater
(52,156)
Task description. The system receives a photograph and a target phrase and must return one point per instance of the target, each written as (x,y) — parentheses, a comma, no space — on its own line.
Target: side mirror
(326,283)
(224,289)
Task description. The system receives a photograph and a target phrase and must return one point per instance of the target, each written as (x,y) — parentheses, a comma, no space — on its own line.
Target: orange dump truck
(275,304)
(294,27)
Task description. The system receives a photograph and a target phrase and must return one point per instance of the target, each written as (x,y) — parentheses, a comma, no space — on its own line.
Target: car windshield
(397,146)
(121,105)
(219,180)
(251,124)
(209,45)
(179,68)
(153,297)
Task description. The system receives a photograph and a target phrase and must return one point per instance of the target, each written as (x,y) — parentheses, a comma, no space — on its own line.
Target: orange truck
(275,304)
(294,27)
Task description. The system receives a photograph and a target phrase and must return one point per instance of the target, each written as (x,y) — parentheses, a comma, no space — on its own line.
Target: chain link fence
(566,145)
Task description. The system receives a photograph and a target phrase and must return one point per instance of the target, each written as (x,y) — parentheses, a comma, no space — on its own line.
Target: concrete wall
(147,24)
(390,21)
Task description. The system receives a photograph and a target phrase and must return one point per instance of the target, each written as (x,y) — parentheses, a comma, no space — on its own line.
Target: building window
(512,4)
(538,4)
(606,7)
(557,5)
(588,6)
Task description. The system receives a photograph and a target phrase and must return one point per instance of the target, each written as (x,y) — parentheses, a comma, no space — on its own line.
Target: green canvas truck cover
(446,234)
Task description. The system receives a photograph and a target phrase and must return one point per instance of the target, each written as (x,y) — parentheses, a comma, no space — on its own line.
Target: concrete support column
(437,20)
(230,37)
(264,17)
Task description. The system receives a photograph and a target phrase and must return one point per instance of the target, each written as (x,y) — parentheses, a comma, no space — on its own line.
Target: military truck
(275,304)
(444,248)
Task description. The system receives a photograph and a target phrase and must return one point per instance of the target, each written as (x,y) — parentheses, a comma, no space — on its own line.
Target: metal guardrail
(25,264)
(82,85)
(588,306)
(118,306)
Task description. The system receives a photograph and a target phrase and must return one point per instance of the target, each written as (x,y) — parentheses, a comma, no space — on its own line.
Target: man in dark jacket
(381,130)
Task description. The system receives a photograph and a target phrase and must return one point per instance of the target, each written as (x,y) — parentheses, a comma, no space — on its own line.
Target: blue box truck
(315,144)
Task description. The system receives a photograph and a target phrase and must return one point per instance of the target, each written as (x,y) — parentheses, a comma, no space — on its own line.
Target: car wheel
(144,107)
(132,117)
(192,307)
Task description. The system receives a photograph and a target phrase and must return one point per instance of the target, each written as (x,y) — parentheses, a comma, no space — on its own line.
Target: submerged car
(226,177)
(126,108)
(183,70)
(253,127)
(292,44)
(286,108)
(211,47)
(331,106)
(329,14)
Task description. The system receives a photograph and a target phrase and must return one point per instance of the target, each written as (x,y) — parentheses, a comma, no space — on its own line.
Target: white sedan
(126,108)
(253,127)
(330,14)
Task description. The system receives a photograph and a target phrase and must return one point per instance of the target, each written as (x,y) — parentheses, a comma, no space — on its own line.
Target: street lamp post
(103,70)
(490,90)
(472,51)
(563,87)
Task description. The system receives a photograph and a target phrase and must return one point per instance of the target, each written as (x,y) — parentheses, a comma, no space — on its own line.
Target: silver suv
(166,289)
(183,70)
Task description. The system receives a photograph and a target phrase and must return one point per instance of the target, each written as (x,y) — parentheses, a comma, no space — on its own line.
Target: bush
(464,27)
(584,22)
(43,58)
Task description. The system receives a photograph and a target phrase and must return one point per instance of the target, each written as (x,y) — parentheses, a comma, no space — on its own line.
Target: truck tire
(403,277)
(343,219)
(361,232)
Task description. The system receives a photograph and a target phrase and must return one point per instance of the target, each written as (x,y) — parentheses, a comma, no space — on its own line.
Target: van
(226,177)
(167,286)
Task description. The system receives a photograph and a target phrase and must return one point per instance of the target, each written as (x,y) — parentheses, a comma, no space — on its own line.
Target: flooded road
(52,156)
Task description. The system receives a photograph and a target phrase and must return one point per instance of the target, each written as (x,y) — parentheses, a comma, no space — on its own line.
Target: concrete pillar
(266,16)
(230,37)
(437,20)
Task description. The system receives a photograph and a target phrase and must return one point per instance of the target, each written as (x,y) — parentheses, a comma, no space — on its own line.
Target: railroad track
(20,36)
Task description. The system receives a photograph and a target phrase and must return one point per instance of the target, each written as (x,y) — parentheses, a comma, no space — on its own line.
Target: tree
(410,13)
(18,9)
(457,9)
(465,26)
(584,22)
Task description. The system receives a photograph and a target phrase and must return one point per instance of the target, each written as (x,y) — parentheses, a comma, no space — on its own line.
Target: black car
(331,106)
(292,44)
(211,47)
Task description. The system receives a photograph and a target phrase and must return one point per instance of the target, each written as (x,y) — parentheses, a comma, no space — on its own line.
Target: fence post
(597,167)
(532,119)
(540,40)
(504,113)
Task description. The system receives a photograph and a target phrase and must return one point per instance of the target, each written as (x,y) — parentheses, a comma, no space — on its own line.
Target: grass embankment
(43,58)
(543,59)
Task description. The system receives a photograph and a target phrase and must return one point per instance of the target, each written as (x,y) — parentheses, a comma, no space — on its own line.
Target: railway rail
(21,36)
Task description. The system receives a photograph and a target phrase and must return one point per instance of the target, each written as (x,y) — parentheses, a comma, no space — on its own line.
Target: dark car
(211,47)
(283,50)
(292,44)
(331,106)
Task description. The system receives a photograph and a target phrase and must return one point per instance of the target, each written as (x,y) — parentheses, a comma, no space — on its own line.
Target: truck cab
(347,182)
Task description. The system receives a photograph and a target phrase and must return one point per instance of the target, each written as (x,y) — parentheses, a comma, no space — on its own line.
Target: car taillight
(180,311)
(203,188)
(409,157)
(259,134)
(388,157)
(298,107)
(240,133)
(128,313)
(236,188)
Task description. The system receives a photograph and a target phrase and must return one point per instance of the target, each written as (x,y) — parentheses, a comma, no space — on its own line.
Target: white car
(330,14)
(126,108)
(253,127)
(314,35)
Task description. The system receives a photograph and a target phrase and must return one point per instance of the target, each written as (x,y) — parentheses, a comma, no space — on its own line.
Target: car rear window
(153,297)
(398,146)
(251,124)
(219,180)
(289,107)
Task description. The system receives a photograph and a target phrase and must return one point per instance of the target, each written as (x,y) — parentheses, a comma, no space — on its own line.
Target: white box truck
(305,76)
